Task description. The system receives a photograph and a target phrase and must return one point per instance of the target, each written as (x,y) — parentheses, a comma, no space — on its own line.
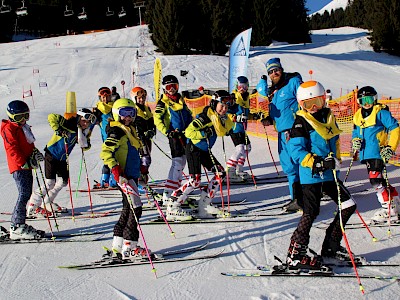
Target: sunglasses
(104,92)
(87,117)
(317,102)
(20,117)
(242,87)
(127,112)
(172,87)
(274,70)
(367,100)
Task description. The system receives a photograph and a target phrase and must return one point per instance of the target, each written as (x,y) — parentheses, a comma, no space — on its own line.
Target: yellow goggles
(318,102)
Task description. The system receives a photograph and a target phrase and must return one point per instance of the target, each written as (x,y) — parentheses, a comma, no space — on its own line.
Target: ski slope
(340,58)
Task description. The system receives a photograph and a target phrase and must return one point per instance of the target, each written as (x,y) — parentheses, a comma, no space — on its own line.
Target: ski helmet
(220,96)
(242,84)
(123,107)
(104,91)
(17,111)
(170,82)
(87,115)
(262,87)
(367,95)
(311,93)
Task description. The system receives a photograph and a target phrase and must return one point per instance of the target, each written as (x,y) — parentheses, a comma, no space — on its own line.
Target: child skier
(171,118)
(239,112)
(22,157)
(314,144)
(120,152)
(372,123)
(144,124)
(67,133)
(103,115)
(202,133)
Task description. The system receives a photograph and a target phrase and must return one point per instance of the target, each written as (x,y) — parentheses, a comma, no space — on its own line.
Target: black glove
(37,155)
(208,132)
(258,116)
(149,134)
(62,132)
(174,134)
(267,121)
(321,164)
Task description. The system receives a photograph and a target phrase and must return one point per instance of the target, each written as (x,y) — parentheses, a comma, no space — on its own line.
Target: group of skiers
(308,146)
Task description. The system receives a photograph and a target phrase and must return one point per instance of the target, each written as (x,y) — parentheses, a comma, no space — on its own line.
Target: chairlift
(68,12)
(82,15)
(4,8)
(22,11)
(109,12)
(122,13)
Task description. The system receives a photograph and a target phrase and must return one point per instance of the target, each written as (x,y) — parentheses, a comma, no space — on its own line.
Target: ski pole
(152,193)
(228,183)
(79,178)
(385,175)
(270,151)
(47,193)
(44,204)
(344,233)
(125,188)
(88,183)
(69,178)
(248,161)
(351,164)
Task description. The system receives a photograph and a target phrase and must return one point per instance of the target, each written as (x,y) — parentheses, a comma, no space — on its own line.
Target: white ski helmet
(310,89)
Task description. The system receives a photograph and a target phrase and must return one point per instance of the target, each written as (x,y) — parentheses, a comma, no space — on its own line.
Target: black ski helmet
(17,107)
(366,91)
(220,96)
(169,79)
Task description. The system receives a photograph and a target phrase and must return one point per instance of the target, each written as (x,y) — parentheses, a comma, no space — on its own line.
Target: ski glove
(149,134)
(267,121)
(258,116)
(357,143)
(37,155)
(208,132)
(241,118)
(117,172)
(386,153)
(63,132)
(322,164)
(175,134)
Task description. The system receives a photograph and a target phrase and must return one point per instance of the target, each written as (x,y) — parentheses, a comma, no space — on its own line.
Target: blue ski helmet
(17,111)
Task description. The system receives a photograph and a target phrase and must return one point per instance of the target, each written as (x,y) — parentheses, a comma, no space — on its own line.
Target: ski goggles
(20,117)
(127,112)
(242,87)
(226,100)
(172,87)
(274,70)
(367,100)
(87,117)
(317,102)
(105,92)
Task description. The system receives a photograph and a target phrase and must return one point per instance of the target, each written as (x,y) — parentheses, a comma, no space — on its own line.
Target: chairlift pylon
(122,13)
(68,12)
(109,12)
(4,8)
(82,15)
(22,11)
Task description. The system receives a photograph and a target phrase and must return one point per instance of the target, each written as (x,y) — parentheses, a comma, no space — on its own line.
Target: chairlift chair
(109,12)
(4,8)
(68,12)
(22,11)
(122,13)
(82,15)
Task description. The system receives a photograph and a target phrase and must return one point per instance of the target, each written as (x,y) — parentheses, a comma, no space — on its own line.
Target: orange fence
(343,107)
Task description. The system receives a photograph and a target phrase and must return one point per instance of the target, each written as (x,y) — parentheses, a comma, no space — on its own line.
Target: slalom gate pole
(270,151)
(44,204)
(217,175)
(248,161)
(69,179)
(88,183)
(228,183)
(151,191)
(385,175)
(374,239)
(47,193)
(124,188)
(344,233)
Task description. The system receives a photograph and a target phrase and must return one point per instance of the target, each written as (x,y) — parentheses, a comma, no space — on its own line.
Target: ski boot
(175,211)
(4,234)
(56,208)
(233,176)
(25,232)
(291,207)
(35,211)
(206,209)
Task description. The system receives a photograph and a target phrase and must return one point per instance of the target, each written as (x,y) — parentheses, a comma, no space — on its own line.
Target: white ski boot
(206,209)
(35,211)
(233,177)
(25,232)
(175,211)
(242,174)
(381,216)
(131,251)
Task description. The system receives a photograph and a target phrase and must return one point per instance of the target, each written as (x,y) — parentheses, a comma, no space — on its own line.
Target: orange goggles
(317,102)
(105,92)
(172,87)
